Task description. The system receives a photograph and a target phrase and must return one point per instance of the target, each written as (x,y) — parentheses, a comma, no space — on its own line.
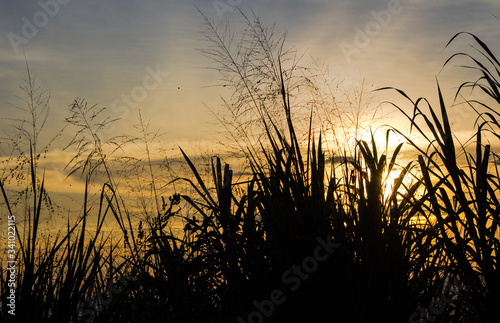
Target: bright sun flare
(389,183)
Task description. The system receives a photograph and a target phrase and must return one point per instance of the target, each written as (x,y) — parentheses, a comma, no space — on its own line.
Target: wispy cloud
(98,50)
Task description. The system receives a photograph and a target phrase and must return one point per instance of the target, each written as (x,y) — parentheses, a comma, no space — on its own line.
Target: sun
(386,143)
(389,181)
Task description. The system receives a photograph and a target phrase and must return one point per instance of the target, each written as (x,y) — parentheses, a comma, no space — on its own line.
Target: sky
(108,51)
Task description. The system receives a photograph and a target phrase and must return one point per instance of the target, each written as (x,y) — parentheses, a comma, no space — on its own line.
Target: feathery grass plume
(253,66)
(405,229)
(93,157)
(289,203)
(54,273)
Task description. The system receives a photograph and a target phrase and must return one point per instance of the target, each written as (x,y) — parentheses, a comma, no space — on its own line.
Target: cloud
(99,50)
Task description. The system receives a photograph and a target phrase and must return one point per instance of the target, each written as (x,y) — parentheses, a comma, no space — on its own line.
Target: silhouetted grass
(54,273)
(399,243)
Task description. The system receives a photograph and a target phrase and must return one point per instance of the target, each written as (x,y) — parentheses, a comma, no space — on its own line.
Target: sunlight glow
(389,184)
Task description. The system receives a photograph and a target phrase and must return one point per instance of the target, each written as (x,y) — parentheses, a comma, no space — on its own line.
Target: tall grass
(253,66)
(400,242)
(247,242)
(464,198)
(53,273)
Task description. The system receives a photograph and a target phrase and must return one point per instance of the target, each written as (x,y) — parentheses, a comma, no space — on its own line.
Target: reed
(402,238)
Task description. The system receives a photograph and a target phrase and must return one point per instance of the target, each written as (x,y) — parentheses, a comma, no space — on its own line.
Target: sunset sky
(228,178)
(102,50)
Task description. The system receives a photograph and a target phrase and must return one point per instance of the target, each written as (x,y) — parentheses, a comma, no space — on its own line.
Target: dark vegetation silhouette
(399,246)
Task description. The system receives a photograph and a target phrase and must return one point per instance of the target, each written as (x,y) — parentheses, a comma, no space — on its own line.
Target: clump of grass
(398,249)
(253,66)
(55,272)
(247,243)
(462,199)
